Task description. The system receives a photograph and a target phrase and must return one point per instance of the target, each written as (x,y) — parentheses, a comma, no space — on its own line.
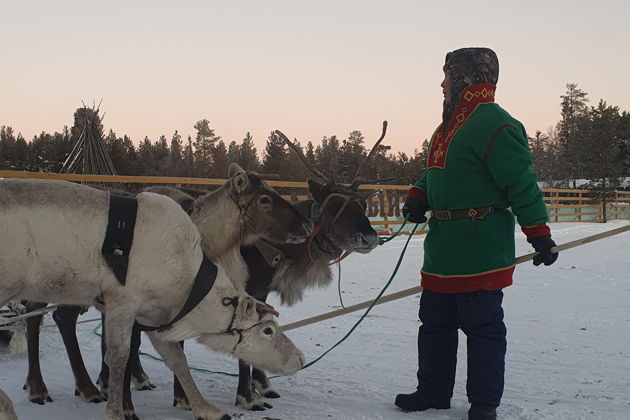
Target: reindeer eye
(265,200)
(268,331)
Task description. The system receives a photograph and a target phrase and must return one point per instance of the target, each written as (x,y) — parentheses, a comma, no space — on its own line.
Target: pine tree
(146,160)
(604,168)
(7,148)
(571,136)
(119,153)
(275,157)
(205,141)
(42,157)
(162,156)
(327,156)
(234,153)
(248,154)
(351,154)
(189,159)
(220,159)
(176,157)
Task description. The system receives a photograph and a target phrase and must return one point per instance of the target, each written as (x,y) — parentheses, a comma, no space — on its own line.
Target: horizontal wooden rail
(418,289)
(554,198)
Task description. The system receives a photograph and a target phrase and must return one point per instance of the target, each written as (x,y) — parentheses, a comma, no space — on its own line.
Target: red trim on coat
(535,231)
(469,100)
(494,280)
(494,136)
(416,192)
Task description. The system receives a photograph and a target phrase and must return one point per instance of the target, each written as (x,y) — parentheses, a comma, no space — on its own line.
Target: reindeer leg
(179,396)
(262,385)
(118,334)
(138,376)
(133,349)
(66,319)
(35,386)
(259,378)
(175,359)
(246,396)
(103,377)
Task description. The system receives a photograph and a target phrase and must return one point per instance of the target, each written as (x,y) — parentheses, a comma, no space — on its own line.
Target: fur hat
(467,67)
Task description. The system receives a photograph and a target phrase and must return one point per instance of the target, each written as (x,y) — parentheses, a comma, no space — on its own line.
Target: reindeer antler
(357,180)
(301,156)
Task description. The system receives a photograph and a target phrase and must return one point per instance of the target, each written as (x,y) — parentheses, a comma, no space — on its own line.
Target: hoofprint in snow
(568,346)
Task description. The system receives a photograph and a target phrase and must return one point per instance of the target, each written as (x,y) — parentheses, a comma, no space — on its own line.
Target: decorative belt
(478,213)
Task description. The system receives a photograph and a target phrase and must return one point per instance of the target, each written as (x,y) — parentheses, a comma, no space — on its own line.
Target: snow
(568,346)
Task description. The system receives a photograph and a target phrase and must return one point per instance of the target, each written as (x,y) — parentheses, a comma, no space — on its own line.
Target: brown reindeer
(338,212)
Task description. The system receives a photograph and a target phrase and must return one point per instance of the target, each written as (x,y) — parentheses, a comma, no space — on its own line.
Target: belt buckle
(472,213)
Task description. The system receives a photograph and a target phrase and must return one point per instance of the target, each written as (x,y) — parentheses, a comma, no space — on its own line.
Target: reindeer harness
(274,256)
(117,247)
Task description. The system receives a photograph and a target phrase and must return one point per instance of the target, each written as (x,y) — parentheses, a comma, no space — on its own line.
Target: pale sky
(308,68)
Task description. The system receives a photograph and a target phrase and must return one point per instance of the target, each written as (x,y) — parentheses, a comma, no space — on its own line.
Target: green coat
(485,162)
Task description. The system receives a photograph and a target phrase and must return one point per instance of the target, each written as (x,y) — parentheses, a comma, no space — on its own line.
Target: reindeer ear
(238,178)
(249,306)
(316,189)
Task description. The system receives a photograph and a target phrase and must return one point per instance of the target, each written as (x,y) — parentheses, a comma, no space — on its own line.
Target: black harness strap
(204,281)
(119,235)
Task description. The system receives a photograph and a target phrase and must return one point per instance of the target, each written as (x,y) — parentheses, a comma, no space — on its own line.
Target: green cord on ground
(150,356)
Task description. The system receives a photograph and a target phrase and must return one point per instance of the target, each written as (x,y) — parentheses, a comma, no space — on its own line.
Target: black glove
(543,245)
(415,208)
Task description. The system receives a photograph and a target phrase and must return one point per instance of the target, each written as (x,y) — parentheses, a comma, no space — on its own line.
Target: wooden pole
(418,289)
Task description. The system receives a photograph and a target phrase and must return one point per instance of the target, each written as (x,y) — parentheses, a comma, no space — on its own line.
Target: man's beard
(447,113)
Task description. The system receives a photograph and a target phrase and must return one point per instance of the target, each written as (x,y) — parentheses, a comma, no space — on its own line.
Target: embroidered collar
(469,100)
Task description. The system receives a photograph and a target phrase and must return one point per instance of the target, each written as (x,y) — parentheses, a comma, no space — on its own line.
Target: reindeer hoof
(143,383)
(91,395)
(41,400)
(37,394)
(182,402)
(271,394)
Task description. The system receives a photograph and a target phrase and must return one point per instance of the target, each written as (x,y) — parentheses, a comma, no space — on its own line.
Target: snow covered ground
(568,346)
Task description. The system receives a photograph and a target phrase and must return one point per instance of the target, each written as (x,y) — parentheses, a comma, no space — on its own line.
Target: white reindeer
(51,234)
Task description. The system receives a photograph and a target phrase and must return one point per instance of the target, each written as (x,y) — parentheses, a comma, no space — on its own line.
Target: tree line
(589,147)
(589,143)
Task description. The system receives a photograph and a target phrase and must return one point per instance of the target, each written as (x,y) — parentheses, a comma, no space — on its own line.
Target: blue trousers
(480,316)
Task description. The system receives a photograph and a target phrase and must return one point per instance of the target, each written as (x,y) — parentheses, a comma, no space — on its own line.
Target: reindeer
(51,251)
(65,316)
(338,212)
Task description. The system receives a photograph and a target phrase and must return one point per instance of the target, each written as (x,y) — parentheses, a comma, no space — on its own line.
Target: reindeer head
(255,337)
(340,210)
(265,214)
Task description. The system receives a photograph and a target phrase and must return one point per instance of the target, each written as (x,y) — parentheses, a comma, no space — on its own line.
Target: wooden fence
(385,208)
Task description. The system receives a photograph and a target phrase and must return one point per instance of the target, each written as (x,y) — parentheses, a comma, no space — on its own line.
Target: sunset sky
(308,68)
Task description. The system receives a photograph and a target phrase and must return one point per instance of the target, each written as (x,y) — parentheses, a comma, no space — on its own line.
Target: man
(478,166)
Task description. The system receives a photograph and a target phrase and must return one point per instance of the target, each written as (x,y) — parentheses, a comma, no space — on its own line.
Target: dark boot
(415,402)
(482,412)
